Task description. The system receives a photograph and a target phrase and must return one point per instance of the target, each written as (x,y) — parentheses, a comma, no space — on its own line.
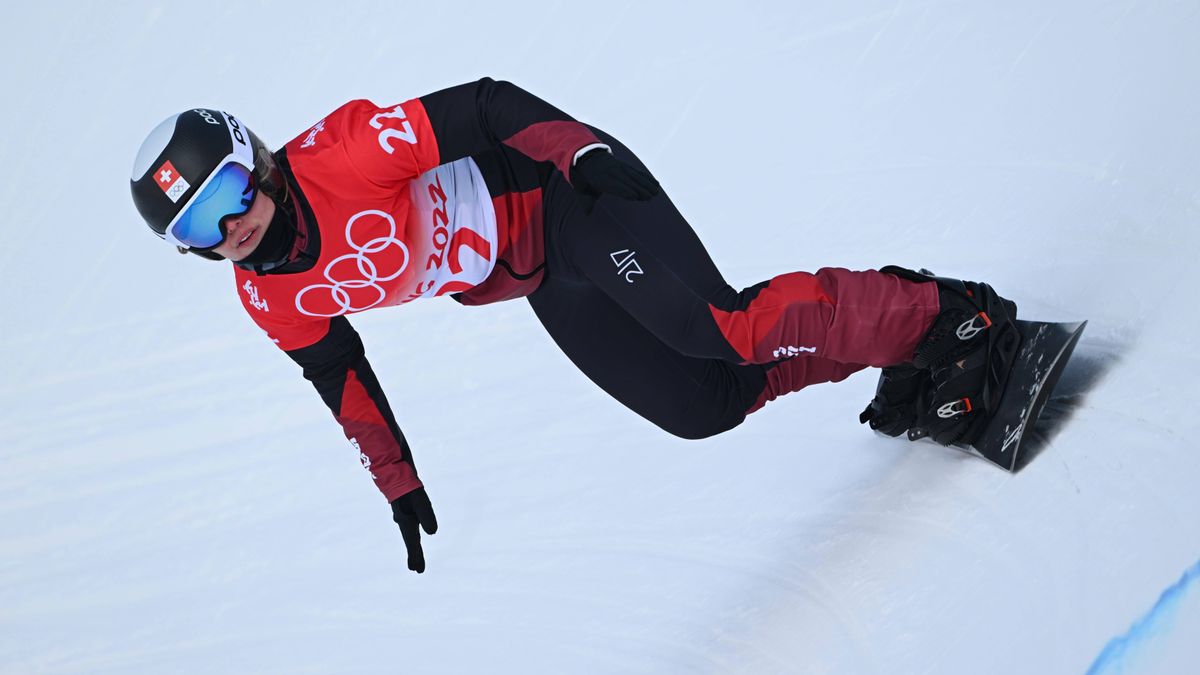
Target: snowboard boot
(967,351)
(952,409)
(896,405)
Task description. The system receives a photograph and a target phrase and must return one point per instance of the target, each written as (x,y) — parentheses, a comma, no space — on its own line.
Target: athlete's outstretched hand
(410,511)
(599,172)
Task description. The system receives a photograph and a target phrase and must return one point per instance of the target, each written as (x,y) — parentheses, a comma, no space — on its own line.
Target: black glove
(410,510)
(598,172)
(899,399)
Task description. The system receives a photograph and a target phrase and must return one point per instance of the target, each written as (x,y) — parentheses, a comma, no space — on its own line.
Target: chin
(229,255)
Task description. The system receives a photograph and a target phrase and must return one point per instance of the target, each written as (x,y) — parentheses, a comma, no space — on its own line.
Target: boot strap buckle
(955,408)
(973,326)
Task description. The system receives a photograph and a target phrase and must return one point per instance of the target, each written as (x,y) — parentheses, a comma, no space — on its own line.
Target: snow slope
(174,498)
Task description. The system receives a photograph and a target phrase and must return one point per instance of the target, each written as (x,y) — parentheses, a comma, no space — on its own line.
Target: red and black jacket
(357,177)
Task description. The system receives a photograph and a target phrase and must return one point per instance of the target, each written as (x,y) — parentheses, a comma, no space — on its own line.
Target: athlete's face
(244,232)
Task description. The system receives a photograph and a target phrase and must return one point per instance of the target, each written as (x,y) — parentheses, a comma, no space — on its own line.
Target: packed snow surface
(174,498)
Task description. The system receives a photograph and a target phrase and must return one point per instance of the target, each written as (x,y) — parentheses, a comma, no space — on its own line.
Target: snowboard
(1040,360)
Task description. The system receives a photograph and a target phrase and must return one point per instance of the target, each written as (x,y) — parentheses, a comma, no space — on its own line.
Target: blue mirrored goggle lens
(230,193)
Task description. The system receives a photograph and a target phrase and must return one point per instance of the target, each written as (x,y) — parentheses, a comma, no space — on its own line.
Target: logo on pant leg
(790,351)
(626,266)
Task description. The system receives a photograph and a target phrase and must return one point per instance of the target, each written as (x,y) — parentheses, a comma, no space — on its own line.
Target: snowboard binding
(959,369)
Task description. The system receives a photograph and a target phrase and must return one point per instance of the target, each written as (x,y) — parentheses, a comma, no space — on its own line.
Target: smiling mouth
(246,238)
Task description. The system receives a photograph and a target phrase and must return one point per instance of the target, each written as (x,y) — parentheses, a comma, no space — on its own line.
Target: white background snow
(174,498)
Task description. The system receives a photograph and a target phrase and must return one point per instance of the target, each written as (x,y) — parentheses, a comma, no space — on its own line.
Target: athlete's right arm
(337,366)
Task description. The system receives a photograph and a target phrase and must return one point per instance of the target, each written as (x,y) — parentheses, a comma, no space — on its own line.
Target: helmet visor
(228,193)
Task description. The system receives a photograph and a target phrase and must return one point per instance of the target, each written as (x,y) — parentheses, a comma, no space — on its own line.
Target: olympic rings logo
(339,290)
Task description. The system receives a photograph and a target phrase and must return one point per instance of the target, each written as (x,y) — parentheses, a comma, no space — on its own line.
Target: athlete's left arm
(478,116)
(398,142)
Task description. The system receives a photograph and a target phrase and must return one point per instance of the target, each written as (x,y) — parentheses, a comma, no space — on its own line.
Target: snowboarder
(484,192)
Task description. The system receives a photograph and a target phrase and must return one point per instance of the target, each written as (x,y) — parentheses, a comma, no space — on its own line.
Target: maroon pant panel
(851,317)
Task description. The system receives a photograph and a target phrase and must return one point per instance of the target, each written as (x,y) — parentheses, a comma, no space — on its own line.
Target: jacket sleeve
(392,144)
(478,116)
(337,366)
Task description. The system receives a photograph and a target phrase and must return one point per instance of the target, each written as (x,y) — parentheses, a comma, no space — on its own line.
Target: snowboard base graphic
(1040,361)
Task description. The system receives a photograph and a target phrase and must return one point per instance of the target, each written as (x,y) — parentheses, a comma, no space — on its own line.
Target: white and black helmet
(180,157)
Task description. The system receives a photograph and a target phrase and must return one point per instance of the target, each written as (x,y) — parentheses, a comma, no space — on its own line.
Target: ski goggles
(228,192)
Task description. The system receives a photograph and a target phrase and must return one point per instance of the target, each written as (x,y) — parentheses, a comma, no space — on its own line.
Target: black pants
(628,297)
